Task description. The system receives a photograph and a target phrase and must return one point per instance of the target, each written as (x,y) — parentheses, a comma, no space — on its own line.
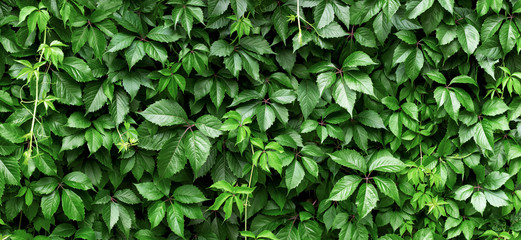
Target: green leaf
(120,106)
(323,14)
(79,38)
(359,81)
(171,159)
(165,113)
(483,135)
(94,97)
(221,48)
(294,175)
(50,204)
(308,97)
(351,159)
(97,42)
(494,107)
(156,51)
(77,69)
(110,214)
(265,116)
(414,64)
(387,187)
(371,119)
(77,120)
(45,185)
(72,205)
(127,196)
(344,188)
(78,180)
(189,194)
(386,163)
(496,198)
(175,219)
(163,34)
(135,53)
(495,180)
(463,192)
(156,213)
(447,4)
(11,133)
(256,44)
(344,96)
(468,37)
(197,148)
(65,89)
(120,41)
(464,79)
(366,199)
(508,35)
(479,202)
(356,59)
(149,191)
(419,8)
(209,126)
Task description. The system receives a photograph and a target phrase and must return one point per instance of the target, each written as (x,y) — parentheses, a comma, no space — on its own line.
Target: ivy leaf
(50,204)
(414,64)
(496,198)
(120,41)
(110,214)
(188,194)
(156,213)
(171,159)
(483,135)
(495,180)
(221,48)
(494,107)
(93,96)
(97,42)
(359,81)
(197,148)
(120,107)
(387,187)
(419,8)
(78,180)
(344,188)
(165,113)
(294,175)
(356,59)
(175,219)
(386,163)
(351,159)
(468,37)
(366,199)
(265,116)
(135,53)
(371,119)
(77,69)
(463,192)
(324,14)
(508,35)
(479,202)
(308,97)
(344,96)
(72,205)
(149,191)
(163,34)
(156,51)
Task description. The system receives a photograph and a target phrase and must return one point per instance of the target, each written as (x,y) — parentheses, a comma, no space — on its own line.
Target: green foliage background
(226,119)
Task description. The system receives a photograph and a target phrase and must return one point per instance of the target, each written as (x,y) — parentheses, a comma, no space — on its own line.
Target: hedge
(260,119)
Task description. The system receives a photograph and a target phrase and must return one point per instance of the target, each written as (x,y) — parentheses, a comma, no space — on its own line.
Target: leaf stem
(247,196)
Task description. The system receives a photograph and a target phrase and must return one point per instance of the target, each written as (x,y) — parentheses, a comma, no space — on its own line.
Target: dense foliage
(226,119)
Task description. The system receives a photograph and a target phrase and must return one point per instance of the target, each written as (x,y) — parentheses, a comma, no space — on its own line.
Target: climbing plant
(268,119)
